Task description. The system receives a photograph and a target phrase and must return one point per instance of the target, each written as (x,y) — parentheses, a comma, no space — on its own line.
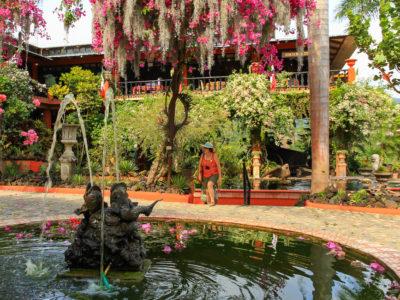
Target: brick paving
(377,235)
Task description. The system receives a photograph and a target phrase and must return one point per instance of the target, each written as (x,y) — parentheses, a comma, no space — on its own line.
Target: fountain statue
(123,246)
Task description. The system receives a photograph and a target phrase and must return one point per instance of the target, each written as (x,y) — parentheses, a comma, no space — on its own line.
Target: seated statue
(123,245)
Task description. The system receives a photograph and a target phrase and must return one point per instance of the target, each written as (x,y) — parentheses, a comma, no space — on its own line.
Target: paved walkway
(378,235)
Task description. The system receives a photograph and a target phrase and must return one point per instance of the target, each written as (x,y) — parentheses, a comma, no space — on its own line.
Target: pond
(199,261)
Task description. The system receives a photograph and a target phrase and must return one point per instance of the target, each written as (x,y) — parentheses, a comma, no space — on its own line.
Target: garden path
(378,235)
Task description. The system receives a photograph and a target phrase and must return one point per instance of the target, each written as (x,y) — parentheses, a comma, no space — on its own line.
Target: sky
(81,33)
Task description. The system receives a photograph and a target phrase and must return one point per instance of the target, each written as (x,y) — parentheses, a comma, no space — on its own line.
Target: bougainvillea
(70,11)
(123,29)
(19,19)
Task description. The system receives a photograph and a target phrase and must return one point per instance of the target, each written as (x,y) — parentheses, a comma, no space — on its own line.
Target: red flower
(3,98)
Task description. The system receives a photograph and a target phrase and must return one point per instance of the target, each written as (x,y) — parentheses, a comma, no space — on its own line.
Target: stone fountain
(123,245)
(68,158)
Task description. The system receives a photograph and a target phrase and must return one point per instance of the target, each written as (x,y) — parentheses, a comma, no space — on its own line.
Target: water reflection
(217,263)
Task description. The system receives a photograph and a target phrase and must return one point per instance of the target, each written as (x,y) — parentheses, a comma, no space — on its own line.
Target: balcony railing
(297,80)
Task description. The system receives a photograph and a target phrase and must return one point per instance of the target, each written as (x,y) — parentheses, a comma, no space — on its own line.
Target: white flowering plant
(248,99)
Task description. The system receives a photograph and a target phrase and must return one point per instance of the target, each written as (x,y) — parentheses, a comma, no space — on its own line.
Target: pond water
(206,262)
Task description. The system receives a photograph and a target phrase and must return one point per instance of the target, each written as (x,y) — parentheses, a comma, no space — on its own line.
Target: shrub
(359,197)
(126,167)
(78,180)
(11,172)
(179,182)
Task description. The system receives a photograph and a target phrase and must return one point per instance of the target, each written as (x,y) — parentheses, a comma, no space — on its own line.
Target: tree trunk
(319,65)
(171,128)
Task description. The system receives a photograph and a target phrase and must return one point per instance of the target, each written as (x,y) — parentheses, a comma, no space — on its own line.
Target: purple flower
(167,249)
(19,236)
(7,228)
(146,227)
(61,230)
(377,267)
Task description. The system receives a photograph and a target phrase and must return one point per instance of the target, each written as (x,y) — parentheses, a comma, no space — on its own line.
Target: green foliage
(179,182)
(385,55)
(248,99)
(77,180)
(58,91)
(11,172)
(85,86)
(359,197)
(126,167)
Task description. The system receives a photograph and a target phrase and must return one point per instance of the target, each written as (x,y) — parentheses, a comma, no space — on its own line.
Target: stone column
(68,158)
(341,170)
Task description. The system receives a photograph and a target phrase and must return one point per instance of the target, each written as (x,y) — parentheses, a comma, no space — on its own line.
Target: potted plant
(383,174)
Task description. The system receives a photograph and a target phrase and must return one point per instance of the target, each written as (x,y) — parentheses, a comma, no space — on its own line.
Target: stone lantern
(68,158)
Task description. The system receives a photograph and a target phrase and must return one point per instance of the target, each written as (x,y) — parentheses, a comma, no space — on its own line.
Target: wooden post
(47,117)
(318,66)
(351,72)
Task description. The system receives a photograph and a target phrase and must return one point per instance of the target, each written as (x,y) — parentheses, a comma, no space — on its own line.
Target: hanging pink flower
(167,249)
(146,228)
(3,98)
(377,267)
(31,137)
(36,102)
(7,228)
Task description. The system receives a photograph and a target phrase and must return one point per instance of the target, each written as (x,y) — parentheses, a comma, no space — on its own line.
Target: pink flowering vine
(31,137)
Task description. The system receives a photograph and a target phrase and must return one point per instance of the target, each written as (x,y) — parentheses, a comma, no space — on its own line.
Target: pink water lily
(179,246)
(377,267)
(192,231)
(146,228)
(335,250)
(7,228)
(19,236)
(46,226)
(167,249)
(333,246)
